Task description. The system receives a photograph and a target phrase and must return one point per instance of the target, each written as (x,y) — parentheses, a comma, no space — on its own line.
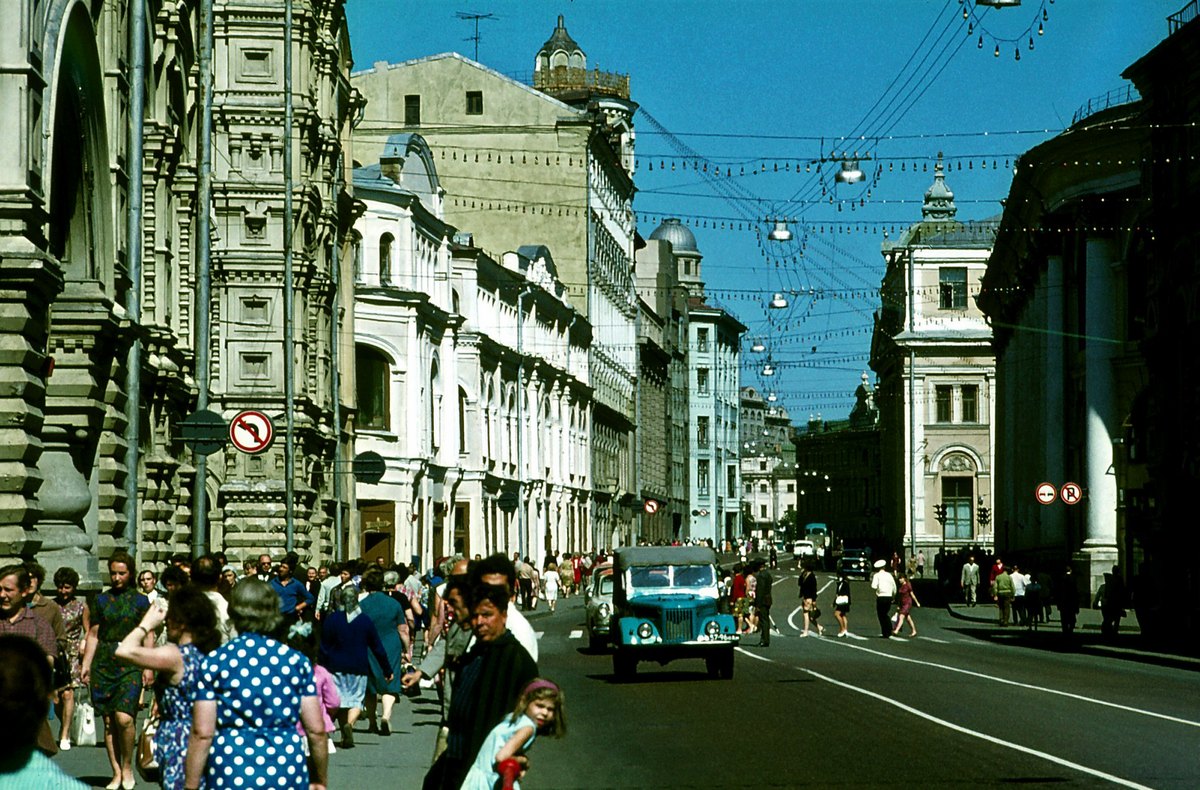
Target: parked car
(665,608)
(597,602)
(854,562)
(803,548)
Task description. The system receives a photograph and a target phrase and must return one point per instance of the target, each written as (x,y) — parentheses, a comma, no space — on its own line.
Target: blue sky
(789,85)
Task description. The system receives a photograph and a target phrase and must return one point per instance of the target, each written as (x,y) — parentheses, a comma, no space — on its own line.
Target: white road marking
(931,639)
(746,652)
(1029,686)
(576,634)
(539,634)
(964,731)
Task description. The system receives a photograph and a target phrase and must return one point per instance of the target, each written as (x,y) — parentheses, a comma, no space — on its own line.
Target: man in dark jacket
(762,602)
(490,679)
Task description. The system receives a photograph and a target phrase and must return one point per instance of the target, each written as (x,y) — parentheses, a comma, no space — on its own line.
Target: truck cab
(665,608)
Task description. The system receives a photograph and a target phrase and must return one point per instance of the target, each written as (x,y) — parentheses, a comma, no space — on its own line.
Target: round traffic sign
(369,467)
(651,506)
(1046,493)
(251,431)
(204,431)
(1071,493)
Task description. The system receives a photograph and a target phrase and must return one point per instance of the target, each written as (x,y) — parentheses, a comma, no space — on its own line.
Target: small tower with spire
(939,200)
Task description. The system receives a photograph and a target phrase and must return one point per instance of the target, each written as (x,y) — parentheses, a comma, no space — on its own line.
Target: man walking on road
(884,585)
(762,602)
(969,581)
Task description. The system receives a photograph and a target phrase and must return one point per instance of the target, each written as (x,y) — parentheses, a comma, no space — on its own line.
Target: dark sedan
(854,562)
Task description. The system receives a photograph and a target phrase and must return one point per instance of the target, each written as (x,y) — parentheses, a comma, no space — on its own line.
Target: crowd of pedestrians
(248,679)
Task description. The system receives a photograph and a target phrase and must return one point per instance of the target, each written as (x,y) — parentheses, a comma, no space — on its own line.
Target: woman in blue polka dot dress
(250,694)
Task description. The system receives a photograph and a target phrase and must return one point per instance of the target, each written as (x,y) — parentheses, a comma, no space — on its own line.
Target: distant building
(768,464)
(838,477)
(548,164)
(932,351)
(663,391)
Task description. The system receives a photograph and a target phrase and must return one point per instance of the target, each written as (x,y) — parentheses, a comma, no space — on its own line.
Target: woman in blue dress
(250,693)
(192,632)
(383,681)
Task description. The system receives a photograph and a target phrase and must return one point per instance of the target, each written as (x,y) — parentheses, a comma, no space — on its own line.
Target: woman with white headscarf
(346,637)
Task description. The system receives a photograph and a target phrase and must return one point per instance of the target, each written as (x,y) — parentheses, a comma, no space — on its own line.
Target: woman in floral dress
(191,632)
(75,623)
(115,685)
(250,692)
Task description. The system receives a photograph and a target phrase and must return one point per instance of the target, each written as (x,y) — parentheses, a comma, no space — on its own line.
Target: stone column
(1102,422)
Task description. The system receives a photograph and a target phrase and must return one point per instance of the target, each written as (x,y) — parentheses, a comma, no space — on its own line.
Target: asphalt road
(965,704)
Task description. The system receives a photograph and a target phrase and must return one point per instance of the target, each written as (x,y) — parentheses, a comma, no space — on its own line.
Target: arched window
(435,408)
(356,255)
(462,421)
(373,379)
(385,258)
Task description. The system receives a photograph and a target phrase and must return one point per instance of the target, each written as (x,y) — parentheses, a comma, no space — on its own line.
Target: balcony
(565,80)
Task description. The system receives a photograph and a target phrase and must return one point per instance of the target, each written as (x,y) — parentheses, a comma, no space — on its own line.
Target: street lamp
(850,173)
(778,302)
(780,232)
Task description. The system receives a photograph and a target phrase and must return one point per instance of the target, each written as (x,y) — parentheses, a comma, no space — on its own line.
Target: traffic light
(984,516)
(939,511)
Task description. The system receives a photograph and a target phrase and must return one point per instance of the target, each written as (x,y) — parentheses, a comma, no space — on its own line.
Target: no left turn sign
(251,431)
(1046,493)
(651,506)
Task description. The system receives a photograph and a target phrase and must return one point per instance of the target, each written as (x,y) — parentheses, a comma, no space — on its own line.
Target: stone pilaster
(27,284)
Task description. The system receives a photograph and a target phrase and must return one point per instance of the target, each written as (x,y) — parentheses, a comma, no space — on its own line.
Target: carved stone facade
(65,334)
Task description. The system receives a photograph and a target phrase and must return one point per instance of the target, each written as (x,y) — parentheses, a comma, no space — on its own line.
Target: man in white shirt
(884,585)
(1019,580)
(500,571)
(206,572)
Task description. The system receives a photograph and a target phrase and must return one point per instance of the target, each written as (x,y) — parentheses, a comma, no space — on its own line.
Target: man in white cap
(884,586)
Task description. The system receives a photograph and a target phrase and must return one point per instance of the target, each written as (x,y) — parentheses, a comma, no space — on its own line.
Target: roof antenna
(475,18)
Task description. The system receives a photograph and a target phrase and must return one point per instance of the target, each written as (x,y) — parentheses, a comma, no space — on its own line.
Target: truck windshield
(666,576)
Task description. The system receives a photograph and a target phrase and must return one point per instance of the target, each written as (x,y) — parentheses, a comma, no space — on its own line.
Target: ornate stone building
(936,396)
(546,164)
(66,279)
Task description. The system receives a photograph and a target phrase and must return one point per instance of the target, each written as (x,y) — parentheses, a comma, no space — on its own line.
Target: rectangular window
(970,403)
(731,481)
(702,340)
(943,403)
(956,496)
(791,488)
(762,511)
(254,311)
(474,102)
(748,488)
(412,110)
(702,474)
(256,366)
(702,380)
(702,431)
(762,466)
(952,288)
(762,487)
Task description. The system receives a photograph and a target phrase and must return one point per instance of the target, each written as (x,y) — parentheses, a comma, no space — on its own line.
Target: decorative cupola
(939,200)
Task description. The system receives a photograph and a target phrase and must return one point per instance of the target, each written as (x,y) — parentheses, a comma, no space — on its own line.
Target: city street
(964,704)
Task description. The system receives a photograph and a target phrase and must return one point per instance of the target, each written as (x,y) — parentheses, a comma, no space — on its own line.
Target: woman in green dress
(115,684)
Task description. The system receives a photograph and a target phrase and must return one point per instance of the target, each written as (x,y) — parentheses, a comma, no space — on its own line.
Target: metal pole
(203,272)
(335,277)
(133,296)
(520,424)
(289,341)
(912,417)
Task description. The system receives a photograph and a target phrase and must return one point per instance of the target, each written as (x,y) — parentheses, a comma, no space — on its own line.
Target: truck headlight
(712,628)
(605,610)
(645,631)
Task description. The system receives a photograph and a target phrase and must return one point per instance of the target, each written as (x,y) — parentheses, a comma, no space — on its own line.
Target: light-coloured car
(803,548)
(597,602)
